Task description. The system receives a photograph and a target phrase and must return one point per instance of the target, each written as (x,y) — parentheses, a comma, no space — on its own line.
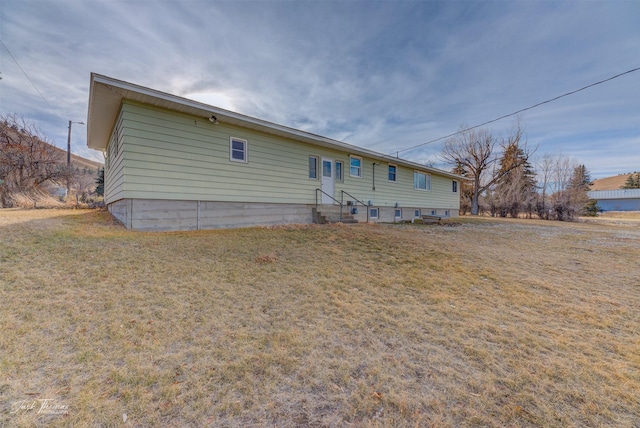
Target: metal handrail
(352,197)
(342,192)
(340,203)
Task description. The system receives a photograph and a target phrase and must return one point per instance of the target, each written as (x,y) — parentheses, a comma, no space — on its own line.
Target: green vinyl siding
(174,156)
(170,155)
(388,193)
(114,166)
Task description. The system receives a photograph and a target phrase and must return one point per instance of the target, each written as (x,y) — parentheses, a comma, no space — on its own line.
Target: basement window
(237,150)
(398,213)
(373,213)
(416,213)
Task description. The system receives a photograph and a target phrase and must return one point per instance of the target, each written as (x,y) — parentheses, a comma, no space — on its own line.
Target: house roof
(614,194)
(106,95)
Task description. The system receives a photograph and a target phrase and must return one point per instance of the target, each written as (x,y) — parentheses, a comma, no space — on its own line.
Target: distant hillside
(610,183)
(80,162)
(11,132)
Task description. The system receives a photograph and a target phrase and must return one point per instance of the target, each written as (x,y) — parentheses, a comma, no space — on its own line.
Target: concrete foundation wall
(167,215)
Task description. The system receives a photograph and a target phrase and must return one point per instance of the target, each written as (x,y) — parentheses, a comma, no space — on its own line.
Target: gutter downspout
(374,176)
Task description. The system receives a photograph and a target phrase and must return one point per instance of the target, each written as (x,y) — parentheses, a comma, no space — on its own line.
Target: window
(454,188)
(433,212)
(238,150)
(118,141)
(373,213)
(446,213)
(416,213)
(355,166)
(421,181)
(392,172)
(398,213)
(326,168)
(313,167)
(339,169)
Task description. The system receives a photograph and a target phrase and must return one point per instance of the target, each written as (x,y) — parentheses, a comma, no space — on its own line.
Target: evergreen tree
(633,181)
(580,179)
(515,192)
(100,183)
(591,208)
(577,200)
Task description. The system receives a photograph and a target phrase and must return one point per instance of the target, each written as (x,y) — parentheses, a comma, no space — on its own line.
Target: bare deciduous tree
(563,187)
(466,189)
(31,168)
(27,161)
(475,151)
(545,169)
(561,177)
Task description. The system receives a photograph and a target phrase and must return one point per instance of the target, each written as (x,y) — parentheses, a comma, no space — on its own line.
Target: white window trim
(246,150)
(396,167)
(419,211)
(457,186)
(361,165)
(395,210)
(317,177)
(371,212)
(428,189)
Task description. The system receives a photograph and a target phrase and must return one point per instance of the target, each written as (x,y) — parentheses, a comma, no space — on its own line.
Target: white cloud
(379,74)
(213,99)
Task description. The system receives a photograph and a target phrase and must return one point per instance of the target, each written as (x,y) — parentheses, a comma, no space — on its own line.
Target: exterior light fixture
(213,119)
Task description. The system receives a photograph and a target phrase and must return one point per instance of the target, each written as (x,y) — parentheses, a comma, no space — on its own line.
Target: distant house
(617,200)
(177,164)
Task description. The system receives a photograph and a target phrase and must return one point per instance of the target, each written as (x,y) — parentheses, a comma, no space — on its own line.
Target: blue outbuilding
(617,200)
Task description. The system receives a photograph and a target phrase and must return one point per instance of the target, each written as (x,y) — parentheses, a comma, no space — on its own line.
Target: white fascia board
(106,95)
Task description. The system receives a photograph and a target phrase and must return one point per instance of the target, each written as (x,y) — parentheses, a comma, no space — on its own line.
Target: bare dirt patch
(490,323)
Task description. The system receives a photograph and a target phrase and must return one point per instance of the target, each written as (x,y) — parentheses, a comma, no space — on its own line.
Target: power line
(25,73)
(519,111)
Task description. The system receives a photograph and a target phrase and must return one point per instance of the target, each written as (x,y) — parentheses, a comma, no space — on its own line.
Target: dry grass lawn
(620,215)
(482,322)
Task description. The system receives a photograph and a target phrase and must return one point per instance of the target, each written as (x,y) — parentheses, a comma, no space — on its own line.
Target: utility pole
(69,157)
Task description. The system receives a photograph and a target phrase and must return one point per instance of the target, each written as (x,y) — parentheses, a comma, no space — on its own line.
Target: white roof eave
(106,95)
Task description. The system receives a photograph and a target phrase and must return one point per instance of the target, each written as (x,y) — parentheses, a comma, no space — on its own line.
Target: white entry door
(328,181)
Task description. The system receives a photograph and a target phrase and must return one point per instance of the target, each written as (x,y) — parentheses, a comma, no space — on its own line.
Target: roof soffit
(106,96)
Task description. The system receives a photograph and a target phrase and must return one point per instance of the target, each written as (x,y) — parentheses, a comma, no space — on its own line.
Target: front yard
(478,322)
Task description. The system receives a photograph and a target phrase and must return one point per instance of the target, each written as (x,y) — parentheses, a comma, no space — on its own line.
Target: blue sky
(379,74)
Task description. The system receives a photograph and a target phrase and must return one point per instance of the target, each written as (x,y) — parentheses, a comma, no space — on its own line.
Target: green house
(176,164)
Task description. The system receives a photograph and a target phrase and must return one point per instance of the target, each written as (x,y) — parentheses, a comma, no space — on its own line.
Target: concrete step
(331,214)
(345,219)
